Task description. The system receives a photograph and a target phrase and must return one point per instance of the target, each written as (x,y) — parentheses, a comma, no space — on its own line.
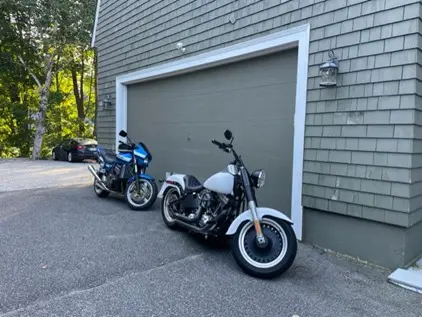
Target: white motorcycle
(264,244)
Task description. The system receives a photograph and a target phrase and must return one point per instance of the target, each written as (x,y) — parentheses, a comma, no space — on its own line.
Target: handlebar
(219,144)
(222,146)
(132,145)
(225,147)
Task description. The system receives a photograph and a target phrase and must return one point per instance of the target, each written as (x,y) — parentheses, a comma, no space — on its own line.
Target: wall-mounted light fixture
(106,102)
(328,71)
(88,122)
(180,47)
(232,19)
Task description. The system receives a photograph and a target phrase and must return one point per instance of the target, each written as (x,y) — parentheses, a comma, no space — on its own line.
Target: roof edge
(97,13)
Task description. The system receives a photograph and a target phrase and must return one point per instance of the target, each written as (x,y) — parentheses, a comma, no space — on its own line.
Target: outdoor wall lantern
(181,47)
(329,71)
(106,102)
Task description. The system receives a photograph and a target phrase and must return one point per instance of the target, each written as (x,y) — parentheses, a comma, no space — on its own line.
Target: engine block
(205,199)
(212,204)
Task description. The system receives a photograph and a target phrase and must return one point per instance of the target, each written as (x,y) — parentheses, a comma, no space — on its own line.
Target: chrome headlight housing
(258,178)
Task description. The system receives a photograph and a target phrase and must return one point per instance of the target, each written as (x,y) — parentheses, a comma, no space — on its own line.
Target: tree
(82,69)
(16,93)
(40,33)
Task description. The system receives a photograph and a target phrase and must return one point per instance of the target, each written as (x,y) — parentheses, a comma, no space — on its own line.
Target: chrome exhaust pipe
(100,182)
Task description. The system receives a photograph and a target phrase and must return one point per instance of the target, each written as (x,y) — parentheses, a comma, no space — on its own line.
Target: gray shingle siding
(363,139)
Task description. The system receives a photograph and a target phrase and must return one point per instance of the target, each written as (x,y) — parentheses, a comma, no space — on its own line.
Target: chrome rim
(171,196)
(143,197)
(54,155)
(69,157)
(266,257)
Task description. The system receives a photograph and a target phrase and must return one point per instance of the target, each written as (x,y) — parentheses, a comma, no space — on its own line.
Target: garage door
(178,116)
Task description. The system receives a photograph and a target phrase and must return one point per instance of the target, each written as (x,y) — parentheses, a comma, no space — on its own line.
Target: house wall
(363,140)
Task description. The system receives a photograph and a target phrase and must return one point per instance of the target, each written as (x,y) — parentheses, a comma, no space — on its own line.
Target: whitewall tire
(171,195)
(273,259)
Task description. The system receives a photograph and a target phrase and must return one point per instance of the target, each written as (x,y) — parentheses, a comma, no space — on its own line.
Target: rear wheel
(168,205)
(146,196)
(54,156)
(99,191)
(274,258)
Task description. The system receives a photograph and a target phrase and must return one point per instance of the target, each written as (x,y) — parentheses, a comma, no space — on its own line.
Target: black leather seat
(192,184)
(108,156)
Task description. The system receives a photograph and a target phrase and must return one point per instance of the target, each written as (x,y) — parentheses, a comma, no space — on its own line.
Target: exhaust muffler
(99,181)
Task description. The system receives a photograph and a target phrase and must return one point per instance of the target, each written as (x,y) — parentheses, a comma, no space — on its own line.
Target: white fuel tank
(221,182)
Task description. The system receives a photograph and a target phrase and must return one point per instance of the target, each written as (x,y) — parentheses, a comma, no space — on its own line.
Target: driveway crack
(112,281)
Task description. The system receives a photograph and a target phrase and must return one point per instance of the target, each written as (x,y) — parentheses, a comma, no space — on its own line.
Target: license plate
(93,149)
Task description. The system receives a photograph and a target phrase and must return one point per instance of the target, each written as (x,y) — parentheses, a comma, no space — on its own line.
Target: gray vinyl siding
(363,144)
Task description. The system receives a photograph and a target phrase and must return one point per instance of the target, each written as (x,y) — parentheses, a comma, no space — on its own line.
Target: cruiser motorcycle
(124,174)
(264,244)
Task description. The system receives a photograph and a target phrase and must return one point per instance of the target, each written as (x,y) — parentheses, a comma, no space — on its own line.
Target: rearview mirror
(123,133)
(228,134)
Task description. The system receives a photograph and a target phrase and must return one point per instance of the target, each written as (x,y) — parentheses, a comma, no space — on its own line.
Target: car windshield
(86,141)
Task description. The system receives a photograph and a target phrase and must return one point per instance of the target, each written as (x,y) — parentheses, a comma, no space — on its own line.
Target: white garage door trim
(294,37)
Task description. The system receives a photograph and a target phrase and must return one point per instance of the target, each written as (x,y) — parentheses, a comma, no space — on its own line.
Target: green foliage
(30,29)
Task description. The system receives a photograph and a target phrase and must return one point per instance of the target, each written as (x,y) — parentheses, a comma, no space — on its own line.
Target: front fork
(136,175)
(252,207)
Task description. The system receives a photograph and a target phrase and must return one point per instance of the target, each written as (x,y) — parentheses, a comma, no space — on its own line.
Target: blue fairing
(142,154)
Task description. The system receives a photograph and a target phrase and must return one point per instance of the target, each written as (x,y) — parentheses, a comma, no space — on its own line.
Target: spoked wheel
(270,260)
(99,191)
(168,204)
(69,157)
(146,196)
(53,156)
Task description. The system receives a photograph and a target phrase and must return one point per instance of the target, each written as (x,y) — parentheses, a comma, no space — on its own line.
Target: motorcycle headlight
(258,178)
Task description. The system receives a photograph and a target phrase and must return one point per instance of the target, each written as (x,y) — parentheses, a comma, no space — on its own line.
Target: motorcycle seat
(108,156)
(192,184)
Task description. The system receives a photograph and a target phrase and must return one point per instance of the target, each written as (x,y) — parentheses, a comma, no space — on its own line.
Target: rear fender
(262,212)
(174,180)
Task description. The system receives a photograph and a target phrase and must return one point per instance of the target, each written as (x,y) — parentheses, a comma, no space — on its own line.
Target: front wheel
(146,196)
(274,258)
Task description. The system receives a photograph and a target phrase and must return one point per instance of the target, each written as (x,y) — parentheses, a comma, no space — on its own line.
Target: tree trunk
(78,91)
(40,123)
(79,102)
(40,115)
(59,119)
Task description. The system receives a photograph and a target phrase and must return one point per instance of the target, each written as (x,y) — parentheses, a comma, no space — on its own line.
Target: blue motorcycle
(123,174)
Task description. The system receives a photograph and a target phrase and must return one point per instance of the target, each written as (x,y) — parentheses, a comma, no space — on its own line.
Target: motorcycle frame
(254,213)
(137,174)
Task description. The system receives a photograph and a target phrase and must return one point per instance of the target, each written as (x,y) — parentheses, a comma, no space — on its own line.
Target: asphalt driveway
(65,252)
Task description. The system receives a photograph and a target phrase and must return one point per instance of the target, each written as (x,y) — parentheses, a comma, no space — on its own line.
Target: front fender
(143,176)
(262,212)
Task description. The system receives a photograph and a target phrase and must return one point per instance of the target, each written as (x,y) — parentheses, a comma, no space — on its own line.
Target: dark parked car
(76,149)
